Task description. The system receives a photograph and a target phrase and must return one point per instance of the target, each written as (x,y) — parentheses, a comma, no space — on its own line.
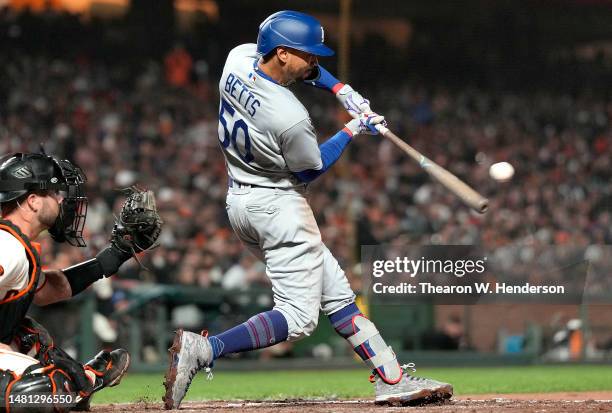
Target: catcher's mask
(23,173)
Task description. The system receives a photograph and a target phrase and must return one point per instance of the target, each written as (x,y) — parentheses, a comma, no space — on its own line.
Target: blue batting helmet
(292,29)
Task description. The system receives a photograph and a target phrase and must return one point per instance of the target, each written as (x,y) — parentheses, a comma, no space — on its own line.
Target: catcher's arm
(55,287)
(137,230)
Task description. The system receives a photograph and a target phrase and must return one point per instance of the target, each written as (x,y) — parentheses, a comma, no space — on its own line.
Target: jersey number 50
(239,124)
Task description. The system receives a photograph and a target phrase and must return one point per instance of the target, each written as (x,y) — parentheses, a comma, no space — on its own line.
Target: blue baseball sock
(342,321)
(261,330)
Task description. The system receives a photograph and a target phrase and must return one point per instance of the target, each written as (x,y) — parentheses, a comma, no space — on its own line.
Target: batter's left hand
(353,102)
(366,123)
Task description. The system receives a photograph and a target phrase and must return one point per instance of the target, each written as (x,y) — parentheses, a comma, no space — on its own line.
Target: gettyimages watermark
(467,274)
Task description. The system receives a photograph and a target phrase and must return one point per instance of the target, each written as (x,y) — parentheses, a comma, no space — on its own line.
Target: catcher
(37,193)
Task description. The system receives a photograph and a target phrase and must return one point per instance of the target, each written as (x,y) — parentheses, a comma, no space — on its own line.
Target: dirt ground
(494,403)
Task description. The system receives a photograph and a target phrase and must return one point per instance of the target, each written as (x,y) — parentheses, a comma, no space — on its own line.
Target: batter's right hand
(366,123)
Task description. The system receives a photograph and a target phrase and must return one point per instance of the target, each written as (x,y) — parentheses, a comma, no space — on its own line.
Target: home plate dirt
(570,402)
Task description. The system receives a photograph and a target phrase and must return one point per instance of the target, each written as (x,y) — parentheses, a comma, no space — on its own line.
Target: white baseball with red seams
(501,171)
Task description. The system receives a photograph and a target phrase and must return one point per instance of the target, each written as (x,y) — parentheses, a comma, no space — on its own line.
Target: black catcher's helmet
(21,173)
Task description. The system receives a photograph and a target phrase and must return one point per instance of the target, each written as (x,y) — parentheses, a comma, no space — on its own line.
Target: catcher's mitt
(139,223)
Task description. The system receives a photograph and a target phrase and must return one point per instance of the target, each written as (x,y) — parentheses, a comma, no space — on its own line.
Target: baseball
(501,171)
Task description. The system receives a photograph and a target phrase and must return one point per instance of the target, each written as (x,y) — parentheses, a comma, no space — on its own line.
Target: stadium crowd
(127,127)
(165,138)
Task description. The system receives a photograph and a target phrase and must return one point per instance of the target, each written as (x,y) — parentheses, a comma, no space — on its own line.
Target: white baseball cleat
(411,390)
(190,353)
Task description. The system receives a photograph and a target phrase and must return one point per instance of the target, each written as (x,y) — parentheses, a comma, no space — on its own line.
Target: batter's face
(298,64)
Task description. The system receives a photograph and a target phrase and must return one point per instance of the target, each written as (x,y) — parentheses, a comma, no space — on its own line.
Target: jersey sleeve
(325,80)
(247,50)
(13,265)
(300,148)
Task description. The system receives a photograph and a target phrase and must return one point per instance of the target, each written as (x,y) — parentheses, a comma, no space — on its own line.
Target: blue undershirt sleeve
(325,80)
(331,150)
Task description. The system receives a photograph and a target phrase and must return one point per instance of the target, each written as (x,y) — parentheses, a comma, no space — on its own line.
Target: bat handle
(382,129)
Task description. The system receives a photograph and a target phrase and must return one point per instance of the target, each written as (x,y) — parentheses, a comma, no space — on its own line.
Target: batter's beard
(300,77)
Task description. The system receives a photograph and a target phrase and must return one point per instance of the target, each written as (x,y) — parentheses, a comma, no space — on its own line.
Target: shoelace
(408,366)
(405,367)
(192,373)
(200,366)
(209,373)
(208,369)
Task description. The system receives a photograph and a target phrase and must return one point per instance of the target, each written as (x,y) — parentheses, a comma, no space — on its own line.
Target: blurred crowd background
(138,104)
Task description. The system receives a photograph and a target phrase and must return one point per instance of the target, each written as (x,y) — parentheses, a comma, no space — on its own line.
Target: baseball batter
(271,151)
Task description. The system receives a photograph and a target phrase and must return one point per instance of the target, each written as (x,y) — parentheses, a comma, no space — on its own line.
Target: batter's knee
(301,322)
(304,329)
(338,303)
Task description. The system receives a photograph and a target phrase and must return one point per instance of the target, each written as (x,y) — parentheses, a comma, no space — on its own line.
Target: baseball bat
(469,196)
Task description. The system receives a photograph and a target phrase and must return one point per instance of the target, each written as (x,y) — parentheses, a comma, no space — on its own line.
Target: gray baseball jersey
(264,130)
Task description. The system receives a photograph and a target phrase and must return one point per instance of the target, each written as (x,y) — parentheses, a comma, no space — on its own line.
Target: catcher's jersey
(264,130)
(14,266)
(19,278)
